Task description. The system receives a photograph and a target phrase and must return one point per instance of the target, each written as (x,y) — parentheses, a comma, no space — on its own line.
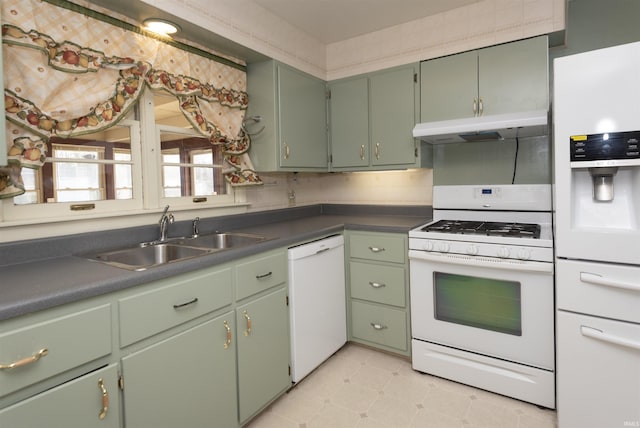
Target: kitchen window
(84,126)
(103,172)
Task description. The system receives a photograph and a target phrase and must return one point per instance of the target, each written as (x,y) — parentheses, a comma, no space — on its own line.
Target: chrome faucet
(165,220)
(196,227)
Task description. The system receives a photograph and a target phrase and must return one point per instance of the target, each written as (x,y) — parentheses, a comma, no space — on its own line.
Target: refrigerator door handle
(596,279)
(594,333)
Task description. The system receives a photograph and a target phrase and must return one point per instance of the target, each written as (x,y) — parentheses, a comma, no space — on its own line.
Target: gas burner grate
(490,228)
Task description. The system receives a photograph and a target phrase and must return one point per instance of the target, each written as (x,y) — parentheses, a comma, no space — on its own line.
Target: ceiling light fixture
(160,26)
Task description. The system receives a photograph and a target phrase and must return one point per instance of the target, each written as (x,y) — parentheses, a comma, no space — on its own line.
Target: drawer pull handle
(377,249)
(182,305)
(247,332)
(377,284)
(105,399)
(228,329)
(264,275)
(378,326)
(25,361)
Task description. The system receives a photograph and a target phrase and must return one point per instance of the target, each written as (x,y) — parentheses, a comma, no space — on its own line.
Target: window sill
(19,230)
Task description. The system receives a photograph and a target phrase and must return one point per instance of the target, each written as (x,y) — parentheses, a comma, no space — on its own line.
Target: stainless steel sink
(157,253)
(141,258)
(223,240)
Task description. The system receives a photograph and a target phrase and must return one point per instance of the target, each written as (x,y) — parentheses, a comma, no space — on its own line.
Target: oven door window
(490,304)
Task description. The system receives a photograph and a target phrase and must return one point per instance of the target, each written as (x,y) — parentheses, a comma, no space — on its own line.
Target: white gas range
(481,278)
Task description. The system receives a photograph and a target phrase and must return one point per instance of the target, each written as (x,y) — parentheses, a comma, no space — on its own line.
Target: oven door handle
(482,261)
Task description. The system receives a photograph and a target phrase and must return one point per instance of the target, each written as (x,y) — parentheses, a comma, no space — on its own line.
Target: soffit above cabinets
(327,21)
(330,21)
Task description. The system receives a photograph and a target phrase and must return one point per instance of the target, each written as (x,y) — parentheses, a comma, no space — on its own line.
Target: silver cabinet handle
(480,107)
(377,150)
(475,106)
(286,151)
(377,249)
(361,151)
(378,326)
(377,284)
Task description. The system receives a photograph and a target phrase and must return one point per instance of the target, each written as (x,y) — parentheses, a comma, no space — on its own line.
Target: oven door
(495,307)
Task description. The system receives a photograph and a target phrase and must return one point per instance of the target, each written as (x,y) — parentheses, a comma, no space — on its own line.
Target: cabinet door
(263,351)
(514,77)
(448,87)
(303,120)
(88,401)
(392,97)
(350,123)
(186,380)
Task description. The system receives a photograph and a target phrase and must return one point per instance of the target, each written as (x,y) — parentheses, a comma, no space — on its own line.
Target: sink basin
(153,254)
(221,241)
(141,258)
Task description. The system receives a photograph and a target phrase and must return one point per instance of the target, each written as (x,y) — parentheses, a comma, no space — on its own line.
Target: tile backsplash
(410,187)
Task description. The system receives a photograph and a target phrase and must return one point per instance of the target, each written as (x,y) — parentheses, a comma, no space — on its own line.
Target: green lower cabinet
(188,380)
(89,401)
(263,351)
(379,325)
(376,283)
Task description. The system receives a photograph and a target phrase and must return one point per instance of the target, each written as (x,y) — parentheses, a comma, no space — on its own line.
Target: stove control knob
(444,247)
(427,246)
(524,254)
(503,252)
(472,250)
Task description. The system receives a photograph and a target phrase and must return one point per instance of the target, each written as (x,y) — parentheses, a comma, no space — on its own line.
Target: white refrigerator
(597,237)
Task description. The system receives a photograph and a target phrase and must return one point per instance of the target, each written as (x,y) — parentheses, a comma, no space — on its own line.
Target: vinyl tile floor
(361,388)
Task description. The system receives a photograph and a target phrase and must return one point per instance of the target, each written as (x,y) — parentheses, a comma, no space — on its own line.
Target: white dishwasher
(317,303)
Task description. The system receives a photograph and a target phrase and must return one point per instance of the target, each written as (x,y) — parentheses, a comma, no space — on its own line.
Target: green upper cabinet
(372,118)
(292,105)
(507,78)
(349,107)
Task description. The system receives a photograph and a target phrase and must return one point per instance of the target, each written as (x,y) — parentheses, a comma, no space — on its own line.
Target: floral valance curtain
(67,74)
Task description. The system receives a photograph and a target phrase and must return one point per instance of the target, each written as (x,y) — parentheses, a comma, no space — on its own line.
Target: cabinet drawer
(377,283)
(77,403)
(181,300)
(260,274)
(380,325)
(379,247)
(70,341)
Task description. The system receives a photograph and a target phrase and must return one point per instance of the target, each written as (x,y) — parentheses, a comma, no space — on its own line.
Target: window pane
(183,178)
(91,167)
(490,304)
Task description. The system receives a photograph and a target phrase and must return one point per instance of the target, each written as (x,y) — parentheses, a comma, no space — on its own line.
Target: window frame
(147,195)
(72,210)
(185,201)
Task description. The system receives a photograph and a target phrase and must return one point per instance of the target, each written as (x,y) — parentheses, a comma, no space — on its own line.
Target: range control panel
(607,149)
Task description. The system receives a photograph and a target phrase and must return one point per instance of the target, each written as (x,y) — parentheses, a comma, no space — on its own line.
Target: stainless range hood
(484,128)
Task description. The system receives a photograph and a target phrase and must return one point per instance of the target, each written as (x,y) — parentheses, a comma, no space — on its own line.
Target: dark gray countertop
(32,280)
